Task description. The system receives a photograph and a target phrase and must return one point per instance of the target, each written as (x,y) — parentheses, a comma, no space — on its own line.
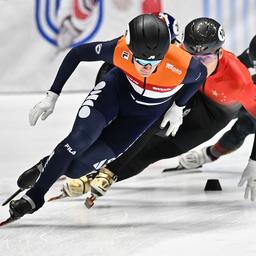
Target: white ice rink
(151,214)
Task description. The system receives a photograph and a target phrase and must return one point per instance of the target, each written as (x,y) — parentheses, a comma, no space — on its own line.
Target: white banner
(37,34)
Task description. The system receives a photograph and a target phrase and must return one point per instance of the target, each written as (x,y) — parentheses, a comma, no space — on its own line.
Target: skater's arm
(195,78)
(249,175)
(87,52)
(244,58)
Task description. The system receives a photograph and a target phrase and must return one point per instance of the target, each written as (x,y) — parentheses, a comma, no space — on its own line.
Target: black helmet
(148,37)
(252,51)
(171,23)
(203,36)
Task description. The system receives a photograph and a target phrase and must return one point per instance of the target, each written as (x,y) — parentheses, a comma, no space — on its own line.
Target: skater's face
(210,60)
(206,58)
(145,67)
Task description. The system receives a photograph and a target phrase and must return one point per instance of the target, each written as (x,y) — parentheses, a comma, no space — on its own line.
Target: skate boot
(27,180)
(75,187)
(18,208)
(194,159)
(99,185)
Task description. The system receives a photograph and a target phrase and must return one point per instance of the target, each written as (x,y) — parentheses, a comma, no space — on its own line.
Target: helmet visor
(147,62)
(206,58)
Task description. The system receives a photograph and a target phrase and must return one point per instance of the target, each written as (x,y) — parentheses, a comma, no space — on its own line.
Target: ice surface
(150,214)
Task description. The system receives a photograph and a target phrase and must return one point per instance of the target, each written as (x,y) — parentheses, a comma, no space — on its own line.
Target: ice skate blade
(89,201)
(180,169)
(57,197)
(8,221)
(12,196)
(61,178)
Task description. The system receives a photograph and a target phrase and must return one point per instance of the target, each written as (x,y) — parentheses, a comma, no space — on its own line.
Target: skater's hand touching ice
(249,175)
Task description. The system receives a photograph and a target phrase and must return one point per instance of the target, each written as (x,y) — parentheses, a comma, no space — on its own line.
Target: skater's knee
(244,126)
(132,168)
(77,141)
(235,137)
(85,131)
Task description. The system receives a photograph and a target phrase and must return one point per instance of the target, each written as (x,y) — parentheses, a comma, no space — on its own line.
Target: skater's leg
(84,133)
(81,137)
(119,136)
(233,138)
(153,151)
(228,143)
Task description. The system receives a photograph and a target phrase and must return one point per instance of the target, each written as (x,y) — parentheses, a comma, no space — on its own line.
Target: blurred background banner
(37,34)
(51,17)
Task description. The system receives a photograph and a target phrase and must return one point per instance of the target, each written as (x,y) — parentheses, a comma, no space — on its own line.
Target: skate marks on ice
(150,214)
(139,222)
(6,222)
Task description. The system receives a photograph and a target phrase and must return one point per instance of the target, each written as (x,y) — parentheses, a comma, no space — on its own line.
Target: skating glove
(44,108)
(174,116)
(249,175)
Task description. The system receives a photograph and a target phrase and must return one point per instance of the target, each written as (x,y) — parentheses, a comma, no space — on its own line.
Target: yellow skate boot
(99,185)
(75,187)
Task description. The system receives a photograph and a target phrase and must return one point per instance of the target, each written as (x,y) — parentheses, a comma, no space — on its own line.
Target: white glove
(174,116)
(44,108)
(249,175)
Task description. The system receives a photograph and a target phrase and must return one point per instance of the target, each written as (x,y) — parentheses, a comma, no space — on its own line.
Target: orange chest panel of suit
(169,74)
